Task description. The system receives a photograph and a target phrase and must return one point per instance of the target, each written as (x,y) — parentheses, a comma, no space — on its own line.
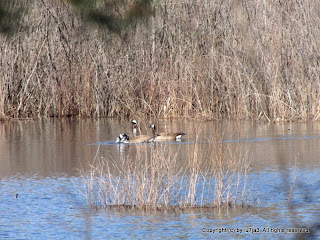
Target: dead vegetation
(149,177)
(210,59)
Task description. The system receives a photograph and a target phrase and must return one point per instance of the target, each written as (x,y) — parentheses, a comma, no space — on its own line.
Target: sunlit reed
(210,59)
(151,177)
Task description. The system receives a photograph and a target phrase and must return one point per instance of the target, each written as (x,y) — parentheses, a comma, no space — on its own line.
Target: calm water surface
(40,161)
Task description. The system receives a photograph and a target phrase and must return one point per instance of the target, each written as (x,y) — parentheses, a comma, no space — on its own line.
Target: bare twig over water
(151,178)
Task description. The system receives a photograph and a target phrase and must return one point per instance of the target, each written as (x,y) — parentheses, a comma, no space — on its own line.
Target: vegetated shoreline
(210,60)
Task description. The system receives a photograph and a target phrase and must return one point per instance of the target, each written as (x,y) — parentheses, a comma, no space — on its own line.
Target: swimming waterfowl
(166,136)
(135,128)
(124,138)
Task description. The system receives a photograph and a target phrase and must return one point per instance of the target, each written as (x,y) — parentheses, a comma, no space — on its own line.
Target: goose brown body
(168,136)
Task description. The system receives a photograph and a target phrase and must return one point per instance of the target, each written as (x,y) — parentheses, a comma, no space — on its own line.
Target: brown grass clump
(211,59)
(153,177)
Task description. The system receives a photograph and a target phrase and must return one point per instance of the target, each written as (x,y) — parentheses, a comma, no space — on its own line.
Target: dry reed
(211,59)
(152,177)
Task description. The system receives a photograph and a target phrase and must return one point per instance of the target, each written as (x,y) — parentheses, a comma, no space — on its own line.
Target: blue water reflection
(40,161)
(54,208)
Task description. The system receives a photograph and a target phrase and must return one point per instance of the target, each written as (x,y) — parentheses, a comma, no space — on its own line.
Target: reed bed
(211,59)
(153,177)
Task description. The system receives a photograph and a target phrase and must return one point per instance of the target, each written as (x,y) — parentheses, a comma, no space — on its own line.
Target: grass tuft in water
(152,177)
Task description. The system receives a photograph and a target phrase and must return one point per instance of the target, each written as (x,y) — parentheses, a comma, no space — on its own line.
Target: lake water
(41,162)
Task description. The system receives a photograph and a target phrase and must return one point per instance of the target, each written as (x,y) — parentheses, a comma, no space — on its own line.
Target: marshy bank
(210,59)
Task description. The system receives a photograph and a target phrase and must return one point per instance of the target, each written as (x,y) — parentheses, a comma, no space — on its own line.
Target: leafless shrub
(152,178)
(211,59)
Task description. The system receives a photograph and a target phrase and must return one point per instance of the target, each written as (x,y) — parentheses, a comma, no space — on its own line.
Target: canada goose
(135,128)
(166,136)
(124,138)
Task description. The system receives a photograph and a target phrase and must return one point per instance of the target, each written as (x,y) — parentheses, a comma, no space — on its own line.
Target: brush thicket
(153,177)
(211,59)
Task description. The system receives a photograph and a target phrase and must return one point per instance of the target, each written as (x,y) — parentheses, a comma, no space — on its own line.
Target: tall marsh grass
(153,177)
(212,59)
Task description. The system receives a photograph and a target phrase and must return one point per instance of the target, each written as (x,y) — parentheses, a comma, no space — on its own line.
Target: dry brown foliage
(211,59)
(152,177)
